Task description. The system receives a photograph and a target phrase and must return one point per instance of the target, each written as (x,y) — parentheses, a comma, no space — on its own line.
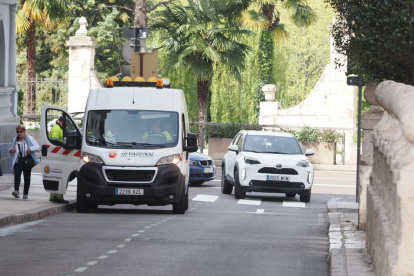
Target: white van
(133,148)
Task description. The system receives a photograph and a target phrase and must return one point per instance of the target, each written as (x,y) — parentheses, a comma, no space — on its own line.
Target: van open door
(60,142)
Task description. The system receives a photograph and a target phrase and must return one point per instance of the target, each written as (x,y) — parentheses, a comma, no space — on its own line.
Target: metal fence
(51,90)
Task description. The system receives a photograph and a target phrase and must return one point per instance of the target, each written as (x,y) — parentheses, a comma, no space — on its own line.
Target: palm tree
(264,15)
(201,34)
(34,14)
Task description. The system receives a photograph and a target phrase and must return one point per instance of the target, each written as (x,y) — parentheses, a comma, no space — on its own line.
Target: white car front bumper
(267,178)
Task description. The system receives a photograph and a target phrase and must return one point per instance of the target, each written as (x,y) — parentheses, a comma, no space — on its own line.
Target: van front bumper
(94,188)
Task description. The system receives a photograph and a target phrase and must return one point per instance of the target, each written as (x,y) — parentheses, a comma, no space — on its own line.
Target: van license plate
(208,170)
(129,191)
(277,178)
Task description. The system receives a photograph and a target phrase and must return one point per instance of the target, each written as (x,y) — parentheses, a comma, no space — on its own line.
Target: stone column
(368,122)
(268,109)
(81,67)
(12,59)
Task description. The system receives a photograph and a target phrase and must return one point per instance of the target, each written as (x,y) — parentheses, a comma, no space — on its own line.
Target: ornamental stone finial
(269,90)
(82,28)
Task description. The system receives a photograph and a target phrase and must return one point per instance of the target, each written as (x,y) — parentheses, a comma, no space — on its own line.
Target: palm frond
(22,24)
(303,16)
(280,33)
(254,20)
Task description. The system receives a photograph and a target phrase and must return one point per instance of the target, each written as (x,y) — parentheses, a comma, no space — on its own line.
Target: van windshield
(132,128)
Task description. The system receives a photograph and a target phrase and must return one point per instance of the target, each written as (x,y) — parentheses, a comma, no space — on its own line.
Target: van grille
(130,175)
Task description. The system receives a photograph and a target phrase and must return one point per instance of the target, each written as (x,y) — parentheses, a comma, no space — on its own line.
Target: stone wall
(390,193)
(331,104)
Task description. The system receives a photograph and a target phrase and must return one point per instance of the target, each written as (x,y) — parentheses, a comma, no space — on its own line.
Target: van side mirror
(191,143)
(234,148)
(73,141)
(309,152)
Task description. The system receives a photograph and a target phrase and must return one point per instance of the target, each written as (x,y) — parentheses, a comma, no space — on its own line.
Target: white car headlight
(170,159)
(91,158)
(303,163)
(193,163)
(251,160)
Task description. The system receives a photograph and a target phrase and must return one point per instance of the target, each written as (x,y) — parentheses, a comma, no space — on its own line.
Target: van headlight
(91,158)
(170,159)
(251,160)
(303,163)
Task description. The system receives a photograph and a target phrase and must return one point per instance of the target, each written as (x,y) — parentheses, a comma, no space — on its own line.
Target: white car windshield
(272,144)
(132,128)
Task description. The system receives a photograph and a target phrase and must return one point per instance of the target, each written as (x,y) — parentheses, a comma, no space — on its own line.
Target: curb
(37,214)
(347,252)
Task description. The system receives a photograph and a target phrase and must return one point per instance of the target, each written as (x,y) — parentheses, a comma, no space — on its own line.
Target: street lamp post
(357,81)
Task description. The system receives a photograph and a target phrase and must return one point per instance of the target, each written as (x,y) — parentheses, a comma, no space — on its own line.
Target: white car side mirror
(233,148)
(309,152)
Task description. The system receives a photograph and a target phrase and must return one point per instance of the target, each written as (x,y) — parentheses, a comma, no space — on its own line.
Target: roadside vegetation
(225,86)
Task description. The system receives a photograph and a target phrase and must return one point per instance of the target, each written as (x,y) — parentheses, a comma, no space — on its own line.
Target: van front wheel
(179,208)
(81,207)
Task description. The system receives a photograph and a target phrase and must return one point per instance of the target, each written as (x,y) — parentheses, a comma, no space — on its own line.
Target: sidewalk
(347,253)
(37,206)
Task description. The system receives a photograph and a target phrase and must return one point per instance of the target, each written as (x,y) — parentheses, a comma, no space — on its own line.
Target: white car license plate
(208,170)
(129,191)
(277,178)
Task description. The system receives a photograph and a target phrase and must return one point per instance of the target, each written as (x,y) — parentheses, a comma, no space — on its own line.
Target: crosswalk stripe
(249,202)
(294,204)
(260,211)
(205,198)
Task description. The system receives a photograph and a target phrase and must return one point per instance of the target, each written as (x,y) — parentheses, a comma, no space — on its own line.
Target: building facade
(8,81)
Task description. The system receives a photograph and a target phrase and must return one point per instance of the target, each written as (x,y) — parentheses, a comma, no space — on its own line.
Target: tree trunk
(31,68)
(140,19)
(265,74)
(202,91)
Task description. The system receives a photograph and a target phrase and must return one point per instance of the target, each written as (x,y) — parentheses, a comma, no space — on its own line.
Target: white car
(263,161)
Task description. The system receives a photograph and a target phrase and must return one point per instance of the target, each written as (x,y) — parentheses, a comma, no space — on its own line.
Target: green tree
(200,35)
(33,15)
(377,37)
(265,15)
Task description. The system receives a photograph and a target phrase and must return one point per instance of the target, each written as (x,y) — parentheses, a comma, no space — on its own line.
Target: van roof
(133,98)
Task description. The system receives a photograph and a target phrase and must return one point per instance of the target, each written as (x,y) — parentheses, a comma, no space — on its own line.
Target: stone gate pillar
(81,67)
(368,122)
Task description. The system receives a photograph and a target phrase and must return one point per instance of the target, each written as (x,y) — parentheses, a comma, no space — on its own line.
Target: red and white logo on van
(112,153)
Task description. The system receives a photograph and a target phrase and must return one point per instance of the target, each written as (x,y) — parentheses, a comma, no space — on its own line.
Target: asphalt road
(267,234)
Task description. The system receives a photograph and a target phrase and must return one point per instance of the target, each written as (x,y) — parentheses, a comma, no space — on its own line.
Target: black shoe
(60,201)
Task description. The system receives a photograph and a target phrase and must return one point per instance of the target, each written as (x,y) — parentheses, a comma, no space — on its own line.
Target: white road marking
(294,204)
(112,251)
(205,198)
(260,211)
(164,220)
(141,231)
(135,235)
(81,269)
(102,257)
(192,208)
(147,227)
(199,203)
(249,202)
(92,263)
(128,239)
(6,231)
(152,225)
(121,245)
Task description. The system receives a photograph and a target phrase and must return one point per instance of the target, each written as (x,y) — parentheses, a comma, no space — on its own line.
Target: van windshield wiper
(276,152)
(105,143)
